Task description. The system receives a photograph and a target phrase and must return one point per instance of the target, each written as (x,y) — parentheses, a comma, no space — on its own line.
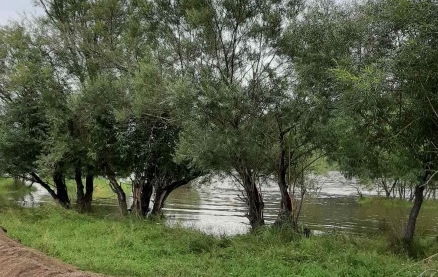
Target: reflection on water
(217,207)
(28,199)
(36,197)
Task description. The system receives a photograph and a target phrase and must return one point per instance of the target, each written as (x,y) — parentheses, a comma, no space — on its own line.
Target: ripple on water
(218,209)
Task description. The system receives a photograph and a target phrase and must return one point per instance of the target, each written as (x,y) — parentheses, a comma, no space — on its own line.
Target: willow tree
(92,43)
(33,100)
(148,136)
(313,42)
(229,75)
(415,82)
(388,102)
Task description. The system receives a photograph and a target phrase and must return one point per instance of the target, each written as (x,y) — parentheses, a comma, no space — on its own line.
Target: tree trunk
(61,189)
(80,195)
(286,208)
(89,188)
(142,193)
(253,199)
(61,194)
(136,197)
(418,201)
(17,181)
(159,199)
(121,196)
(163,191)
(386,189)
(38,180)
(145,197)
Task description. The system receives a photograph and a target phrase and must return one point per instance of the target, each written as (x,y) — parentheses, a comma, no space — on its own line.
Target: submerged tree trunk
(253,199)
(418,201)
(163,191)
(286,208)
(121,196)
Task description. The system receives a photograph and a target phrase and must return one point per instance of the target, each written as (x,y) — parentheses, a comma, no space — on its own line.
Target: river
(331,206)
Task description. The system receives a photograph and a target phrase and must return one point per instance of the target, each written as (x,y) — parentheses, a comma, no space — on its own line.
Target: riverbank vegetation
(9,186)
(161,93)
(129,247)
(389,202)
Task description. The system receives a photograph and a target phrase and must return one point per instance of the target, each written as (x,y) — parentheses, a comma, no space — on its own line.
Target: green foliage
(322,165)
(129,247)
(26,96)
(91,103)
(221,103)
(397,107)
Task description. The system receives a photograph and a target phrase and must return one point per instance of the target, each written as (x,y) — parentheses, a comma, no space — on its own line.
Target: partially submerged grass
(393,226)
(395,202)
(8,187)
(101,188)
(129,247)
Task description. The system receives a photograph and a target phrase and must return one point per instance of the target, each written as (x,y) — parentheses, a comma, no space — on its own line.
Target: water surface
(216,207)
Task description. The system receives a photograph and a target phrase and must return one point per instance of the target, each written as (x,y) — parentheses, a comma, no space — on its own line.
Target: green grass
(129,247)
(394,224)
(8,187)
(101,189)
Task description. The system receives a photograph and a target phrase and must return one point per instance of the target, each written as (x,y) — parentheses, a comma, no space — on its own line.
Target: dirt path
(18,260)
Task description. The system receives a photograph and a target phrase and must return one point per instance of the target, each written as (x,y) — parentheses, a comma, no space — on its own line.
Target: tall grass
(129,247)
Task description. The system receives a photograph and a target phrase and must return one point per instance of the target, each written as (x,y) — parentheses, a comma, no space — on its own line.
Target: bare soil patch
(18,260)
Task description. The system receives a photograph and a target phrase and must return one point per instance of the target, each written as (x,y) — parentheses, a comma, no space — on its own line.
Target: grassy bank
(128,247)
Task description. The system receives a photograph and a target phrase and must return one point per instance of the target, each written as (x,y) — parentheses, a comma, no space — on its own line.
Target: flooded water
(331,206)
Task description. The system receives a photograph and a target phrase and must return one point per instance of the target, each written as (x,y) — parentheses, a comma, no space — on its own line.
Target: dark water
(330,206)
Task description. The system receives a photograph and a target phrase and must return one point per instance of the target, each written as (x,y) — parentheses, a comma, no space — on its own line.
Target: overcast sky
(12,9)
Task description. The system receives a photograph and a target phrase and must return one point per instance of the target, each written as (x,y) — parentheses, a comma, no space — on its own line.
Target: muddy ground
(19,260)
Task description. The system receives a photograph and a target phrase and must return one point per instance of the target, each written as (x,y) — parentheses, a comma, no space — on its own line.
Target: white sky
(13,9)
